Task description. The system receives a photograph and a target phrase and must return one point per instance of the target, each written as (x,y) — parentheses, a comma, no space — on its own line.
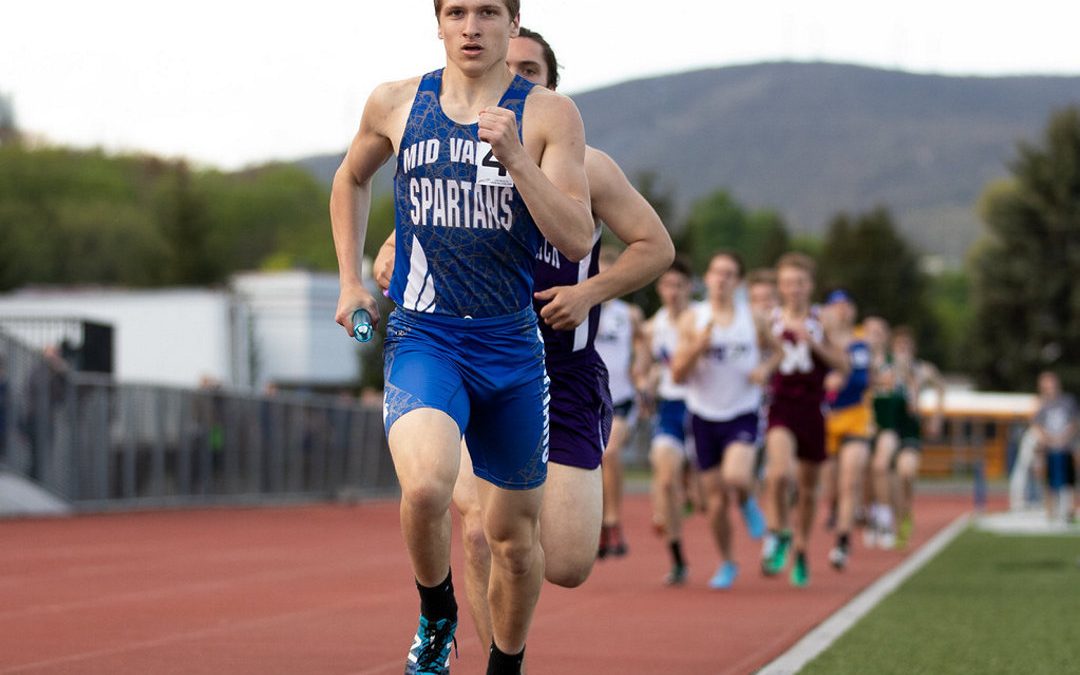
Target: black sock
(842,541)
(438,602)
(504,664)
(676,553)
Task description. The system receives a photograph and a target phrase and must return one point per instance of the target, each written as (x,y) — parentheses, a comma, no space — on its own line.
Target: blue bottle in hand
(363,331)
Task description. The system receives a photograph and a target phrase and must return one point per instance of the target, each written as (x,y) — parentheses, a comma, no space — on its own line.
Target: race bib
(489,171)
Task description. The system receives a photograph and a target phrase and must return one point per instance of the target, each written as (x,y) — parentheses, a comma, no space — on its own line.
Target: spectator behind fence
(1056,428)
(45,394)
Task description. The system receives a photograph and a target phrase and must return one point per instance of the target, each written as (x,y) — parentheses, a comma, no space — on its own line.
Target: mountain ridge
(811,139)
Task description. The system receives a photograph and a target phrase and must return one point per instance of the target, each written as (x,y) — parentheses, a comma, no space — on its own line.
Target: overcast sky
(230,82)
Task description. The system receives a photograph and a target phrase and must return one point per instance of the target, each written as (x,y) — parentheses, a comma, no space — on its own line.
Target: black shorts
(622,409)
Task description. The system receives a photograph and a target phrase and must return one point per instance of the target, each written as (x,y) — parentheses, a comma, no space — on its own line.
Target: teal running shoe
(776,562)
(430,652)
(800,573)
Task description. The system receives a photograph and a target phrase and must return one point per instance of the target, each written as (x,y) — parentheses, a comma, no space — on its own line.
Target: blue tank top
(466,243)
(858,380)
(554,269)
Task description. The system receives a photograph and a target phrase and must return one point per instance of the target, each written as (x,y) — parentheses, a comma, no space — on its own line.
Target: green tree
(718,221)
(282,204)
(71,216)
(186,227)
(866,255)
(767,238)
(950,305)
(715,221)
(662,199)
(1027,303)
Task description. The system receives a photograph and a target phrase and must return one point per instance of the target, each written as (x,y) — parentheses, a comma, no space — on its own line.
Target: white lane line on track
(822,637)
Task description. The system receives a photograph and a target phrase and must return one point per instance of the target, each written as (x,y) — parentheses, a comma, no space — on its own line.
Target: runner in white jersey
(615,337)
(668,452)
(618,341)
(719,357)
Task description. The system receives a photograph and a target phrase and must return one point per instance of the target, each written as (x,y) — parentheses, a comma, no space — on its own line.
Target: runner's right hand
(353,297)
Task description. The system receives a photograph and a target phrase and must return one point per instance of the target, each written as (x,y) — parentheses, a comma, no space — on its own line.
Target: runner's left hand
(566,308)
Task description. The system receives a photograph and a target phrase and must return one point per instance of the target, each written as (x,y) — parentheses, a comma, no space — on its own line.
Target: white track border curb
(822,637)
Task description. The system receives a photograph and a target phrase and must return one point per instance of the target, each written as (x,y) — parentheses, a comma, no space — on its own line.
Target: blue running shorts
(671,420)
(487,374)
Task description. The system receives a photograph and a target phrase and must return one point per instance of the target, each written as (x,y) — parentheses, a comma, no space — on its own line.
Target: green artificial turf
(986,604)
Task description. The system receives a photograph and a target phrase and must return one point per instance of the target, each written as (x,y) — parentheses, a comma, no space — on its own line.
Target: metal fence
(86,345)
(99,444)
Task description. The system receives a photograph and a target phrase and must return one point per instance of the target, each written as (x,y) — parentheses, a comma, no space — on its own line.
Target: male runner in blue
(568,297)
(488,166)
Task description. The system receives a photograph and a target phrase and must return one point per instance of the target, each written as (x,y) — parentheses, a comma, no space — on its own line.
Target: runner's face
(762,298)
(877,333)
(795,286)
(903,348)
(476,33)
(673,289)
(1049,386)
(526,58)
(722,277)
(842,314)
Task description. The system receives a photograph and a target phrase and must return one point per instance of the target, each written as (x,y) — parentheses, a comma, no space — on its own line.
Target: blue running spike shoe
(724,577)
(430,652)
(755,520)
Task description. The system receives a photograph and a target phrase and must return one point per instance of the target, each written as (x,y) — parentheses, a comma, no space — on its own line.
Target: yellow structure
(977,427)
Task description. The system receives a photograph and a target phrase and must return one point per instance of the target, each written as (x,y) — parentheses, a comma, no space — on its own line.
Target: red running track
(327,589)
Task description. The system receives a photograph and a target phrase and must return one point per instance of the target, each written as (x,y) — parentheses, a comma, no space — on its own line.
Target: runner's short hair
(682,266)
(762,275)
(549,55)
(799,261)
(514,7)
(903,333)
(740,266)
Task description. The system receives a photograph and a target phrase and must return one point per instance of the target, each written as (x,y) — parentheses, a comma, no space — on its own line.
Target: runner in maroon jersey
(796,435)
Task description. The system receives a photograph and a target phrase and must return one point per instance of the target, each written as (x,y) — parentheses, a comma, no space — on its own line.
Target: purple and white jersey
(555,269)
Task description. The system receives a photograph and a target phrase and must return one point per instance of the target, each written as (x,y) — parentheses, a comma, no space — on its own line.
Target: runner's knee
(735,479)
(908,467)
(428,498)
(473,538)
(569,573)
(775,472)
(516,554)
